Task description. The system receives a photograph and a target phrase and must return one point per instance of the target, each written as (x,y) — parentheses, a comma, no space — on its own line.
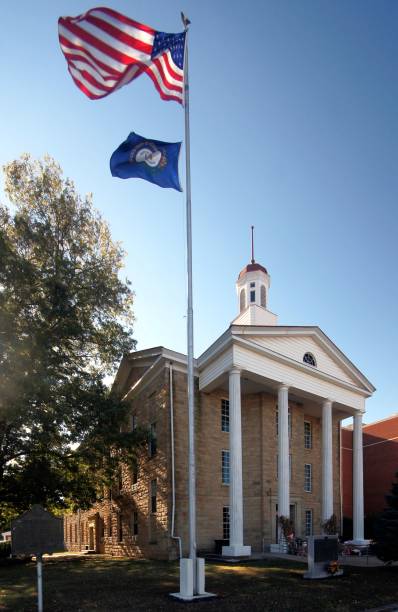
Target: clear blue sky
(294,129)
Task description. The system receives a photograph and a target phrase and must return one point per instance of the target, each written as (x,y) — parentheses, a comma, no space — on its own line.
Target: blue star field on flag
(175,43)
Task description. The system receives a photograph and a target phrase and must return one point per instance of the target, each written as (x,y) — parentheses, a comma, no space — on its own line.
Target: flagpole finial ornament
(185,21)
(252,244)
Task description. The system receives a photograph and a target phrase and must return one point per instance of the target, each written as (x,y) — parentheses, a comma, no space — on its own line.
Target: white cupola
(252,287)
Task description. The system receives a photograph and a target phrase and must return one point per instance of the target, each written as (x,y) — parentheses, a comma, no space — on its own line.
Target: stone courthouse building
(269,402)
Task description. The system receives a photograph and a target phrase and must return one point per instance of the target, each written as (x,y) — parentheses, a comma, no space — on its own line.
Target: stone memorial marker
(37,532)
(323,554)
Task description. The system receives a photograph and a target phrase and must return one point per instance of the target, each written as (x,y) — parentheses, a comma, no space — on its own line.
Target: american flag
(106,50)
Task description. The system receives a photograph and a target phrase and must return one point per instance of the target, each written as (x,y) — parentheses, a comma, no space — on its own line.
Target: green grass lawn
(111,584)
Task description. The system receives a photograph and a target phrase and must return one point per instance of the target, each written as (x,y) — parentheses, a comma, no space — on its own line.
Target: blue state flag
(151,160)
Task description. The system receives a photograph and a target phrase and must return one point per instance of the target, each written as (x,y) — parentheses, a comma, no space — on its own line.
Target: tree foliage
(65,321)
(386,527)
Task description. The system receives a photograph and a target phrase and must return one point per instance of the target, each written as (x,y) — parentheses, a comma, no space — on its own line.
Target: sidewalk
(352,560)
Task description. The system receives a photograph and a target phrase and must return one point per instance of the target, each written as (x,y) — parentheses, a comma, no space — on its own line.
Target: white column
(235,547)
(283,452)
(327,461)
(357,474)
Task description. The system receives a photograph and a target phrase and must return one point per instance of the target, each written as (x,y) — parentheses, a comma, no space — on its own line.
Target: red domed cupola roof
(252,267)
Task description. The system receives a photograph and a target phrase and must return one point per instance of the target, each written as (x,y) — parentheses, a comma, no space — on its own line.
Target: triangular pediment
(294,343)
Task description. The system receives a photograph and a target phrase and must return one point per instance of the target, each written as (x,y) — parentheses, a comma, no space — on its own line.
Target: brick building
(269,402)
(380,464)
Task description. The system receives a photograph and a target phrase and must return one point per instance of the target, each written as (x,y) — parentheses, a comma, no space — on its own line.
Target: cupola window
(310,359)
(252,296)
(242,299)
(263,297)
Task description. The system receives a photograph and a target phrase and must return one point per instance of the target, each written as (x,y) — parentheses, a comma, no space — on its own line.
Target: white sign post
(39,562)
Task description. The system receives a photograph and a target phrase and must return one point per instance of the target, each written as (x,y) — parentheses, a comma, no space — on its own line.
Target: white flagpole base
(186,592)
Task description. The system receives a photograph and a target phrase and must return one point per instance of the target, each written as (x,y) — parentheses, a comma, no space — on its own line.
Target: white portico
(291,363)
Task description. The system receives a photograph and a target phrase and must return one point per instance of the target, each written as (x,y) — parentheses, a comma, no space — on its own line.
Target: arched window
(263,297)
(242,299)
(310,359)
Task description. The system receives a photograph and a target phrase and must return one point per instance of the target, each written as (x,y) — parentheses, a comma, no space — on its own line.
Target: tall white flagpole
(192,570)
(191,388)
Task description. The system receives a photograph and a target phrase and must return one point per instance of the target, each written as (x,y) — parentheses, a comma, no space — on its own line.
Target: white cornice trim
(214,349)
(164,356)
(145,379)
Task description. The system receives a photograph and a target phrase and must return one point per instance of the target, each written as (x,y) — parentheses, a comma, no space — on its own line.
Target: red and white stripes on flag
(106,50)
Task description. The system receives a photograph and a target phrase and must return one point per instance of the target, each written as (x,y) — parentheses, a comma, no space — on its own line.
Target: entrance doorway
(292,516)
(91,538)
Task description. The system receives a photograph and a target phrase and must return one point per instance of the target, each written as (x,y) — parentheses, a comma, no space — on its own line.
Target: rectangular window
(252,296)
(134,523)
(120,528)
(225,523)
(153,447)
(308,522)
(308,477)
(307,434)
(252,285)
(120,480)
(225,415)
(134,472)
(133,422)
(153,496)
(225,467)
(75,533)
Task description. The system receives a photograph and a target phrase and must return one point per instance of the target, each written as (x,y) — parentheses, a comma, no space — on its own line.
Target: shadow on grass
(107,584)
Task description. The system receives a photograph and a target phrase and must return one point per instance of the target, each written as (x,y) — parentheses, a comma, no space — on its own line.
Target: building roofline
(364,426)
(315,330)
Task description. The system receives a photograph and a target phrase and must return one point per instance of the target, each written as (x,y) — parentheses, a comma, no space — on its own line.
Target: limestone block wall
(114,514)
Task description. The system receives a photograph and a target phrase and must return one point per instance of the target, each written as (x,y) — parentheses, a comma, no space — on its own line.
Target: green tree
(65,321)
(386,527)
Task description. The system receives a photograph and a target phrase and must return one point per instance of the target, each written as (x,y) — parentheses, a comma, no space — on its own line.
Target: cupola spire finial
(252,244)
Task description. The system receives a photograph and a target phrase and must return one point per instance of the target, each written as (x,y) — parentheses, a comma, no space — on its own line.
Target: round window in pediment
(310,359)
